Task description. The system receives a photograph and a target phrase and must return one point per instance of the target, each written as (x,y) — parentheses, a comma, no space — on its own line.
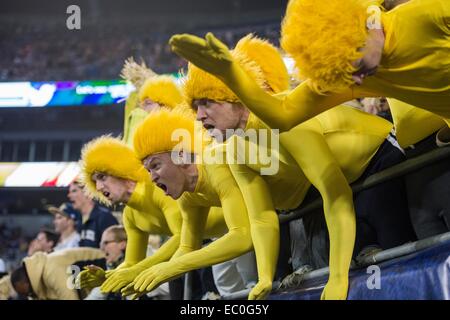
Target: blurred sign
(63,93)
(38,174)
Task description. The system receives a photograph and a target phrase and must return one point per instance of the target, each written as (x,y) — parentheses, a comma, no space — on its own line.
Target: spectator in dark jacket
(95,218)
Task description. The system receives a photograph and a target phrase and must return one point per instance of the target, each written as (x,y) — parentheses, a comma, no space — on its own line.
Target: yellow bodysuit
(132,121)
(412,124)
(330,151)
(150,211)
(415,68)
(215,187)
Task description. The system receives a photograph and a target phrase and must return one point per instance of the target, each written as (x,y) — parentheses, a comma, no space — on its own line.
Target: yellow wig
(323,37)
(200,84)
(162,90)
(269,59)
(165,130)
(110,156)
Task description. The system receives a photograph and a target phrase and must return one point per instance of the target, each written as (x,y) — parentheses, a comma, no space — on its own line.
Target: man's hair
(77,183)
(50,235)
(118,232)
(19,275)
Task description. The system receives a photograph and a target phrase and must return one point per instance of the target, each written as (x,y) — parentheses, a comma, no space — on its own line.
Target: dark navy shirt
(91,231)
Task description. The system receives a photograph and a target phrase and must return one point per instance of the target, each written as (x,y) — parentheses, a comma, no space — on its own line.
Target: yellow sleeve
(412,124)
(323,171)
(130,105)
(281,113)
(173,218)
(193,227)
(137,240)
(264,223)
(233,244)
(134,119)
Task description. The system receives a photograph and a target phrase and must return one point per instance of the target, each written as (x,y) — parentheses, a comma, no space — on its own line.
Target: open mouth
(106,194)
(162,187)
(208,126)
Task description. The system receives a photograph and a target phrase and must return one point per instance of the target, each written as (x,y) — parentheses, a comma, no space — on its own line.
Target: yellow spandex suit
(415,68)
(148,211)
(215,187)
(329,151)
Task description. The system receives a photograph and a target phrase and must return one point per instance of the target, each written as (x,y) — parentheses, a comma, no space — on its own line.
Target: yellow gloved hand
(209,54)
(261,290)
(282,113)
(151,278)
(129,290)
(335,289)
(119,278)
(92,276)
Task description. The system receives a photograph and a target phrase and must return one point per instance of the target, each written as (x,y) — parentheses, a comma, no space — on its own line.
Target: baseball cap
(67,210)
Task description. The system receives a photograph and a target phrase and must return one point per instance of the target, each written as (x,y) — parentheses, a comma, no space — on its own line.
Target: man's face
(43,244)
(61,223)
(112,248)
(166,175)
(216,117)
(115,189)
(76,196)
(373,51)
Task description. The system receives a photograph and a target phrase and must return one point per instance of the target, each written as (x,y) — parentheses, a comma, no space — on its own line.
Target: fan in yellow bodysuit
(175,168)
(406,57)
(135,74)
(328,151)
(152,91)
(113,174)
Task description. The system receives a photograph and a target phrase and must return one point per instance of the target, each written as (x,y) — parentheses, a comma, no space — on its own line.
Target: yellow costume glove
(92,276)
(209,54)
(118,278)
(282,113)
(261,290)
(335,289)
(151,278)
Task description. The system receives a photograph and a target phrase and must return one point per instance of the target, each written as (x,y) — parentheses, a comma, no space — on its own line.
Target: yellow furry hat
(199,84)
(268,58)
(165,130)
(110,156)
(161,89)
(323,37)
